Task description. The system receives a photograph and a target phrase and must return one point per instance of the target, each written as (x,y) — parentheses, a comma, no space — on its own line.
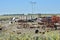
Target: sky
(25,6)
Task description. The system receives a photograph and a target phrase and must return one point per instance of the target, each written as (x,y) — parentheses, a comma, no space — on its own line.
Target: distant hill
(12,14)
(28,14)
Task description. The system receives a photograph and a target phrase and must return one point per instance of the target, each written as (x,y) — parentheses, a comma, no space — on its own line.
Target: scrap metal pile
(49,22)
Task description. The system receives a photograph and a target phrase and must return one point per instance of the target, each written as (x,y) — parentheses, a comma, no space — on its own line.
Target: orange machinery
(55,19)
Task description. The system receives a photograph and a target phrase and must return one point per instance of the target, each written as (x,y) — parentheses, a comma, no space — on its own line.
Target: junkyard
(27,25)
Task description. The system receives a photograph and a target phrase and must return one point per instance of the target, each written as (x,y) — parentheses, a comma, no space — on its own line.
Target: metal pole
(33,3)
